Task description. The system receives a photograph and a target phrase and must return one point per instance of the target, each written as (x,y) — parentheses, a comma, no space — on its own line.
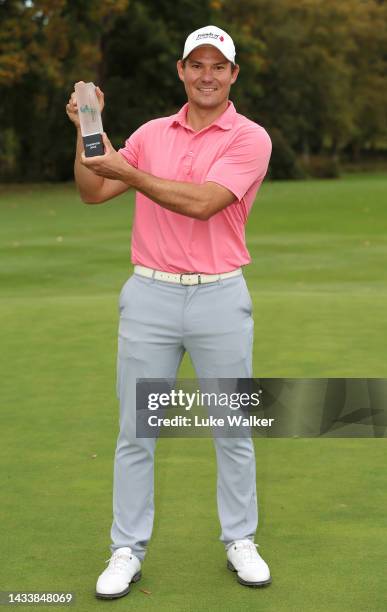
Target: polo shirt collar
(225,121)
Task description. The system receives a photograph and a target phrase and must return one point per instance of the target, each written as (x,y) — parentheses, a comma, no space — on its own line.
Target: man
(196,174)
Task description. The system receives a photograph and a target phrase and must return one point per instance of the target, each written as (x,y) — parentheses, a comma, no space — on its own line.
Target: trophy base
(93,145)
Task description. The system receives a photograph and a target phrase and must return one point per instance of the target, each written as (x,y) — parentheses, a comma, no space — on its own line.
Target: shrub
(283,162)
(321,166)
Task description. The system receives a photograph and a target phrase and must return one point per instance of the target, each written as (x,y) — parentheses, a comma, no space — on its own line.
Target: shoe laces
(248,550)
(118,561)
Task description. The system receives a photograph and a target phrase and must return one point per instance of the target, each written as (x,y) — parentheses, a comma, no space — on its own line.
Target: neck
(199,118)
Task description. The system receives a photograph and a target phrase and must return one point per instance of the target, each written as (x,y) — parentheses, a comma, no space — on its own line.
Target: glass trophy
(90,119)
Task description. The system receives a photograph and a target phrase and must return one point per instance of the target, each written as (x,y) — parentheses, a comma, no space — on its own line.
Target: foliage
(313,73)
(283,162)
(319,166)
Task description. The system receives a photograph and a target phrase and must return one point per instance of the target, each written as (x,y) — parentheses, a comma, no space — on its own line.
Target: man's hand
(111,165)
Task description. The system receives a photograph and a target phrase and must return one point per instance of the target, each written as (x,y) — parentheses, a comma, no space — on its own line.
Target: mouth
(207,89)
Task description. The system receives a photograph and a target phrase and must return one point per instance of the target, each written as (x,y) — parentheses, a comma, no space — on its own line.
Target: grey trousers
(159,321)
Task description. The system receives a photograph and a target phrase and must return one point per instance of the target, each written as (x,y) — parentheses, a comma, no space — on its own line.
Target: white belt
(187,278)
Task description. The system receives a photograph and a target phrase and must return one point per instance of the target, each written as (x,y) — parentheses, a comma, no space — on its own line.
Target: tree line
(313,73)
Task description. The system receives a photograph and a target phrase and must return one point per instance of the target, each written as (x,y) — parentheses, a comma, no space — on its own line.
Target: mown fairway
(318,286)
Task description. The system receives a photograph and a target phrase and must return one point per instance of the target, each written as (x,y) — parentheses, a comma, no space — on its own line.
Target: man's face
(207,77)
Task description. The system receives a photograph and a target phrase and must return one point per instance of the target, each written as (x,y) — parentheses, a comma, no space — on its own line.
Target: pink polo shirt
(234,152)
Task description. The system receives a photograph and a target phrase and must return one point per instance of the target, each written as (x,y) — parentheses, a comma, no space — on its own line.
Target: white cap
(211,35)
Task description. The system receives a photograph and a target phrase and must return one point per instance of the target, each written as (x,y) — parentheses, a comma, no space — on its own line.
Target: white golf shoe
(243,558)
(123,568)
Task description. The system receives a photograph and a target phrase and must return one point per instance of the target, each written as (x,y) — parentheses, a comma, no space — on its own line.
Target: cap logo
(208,35)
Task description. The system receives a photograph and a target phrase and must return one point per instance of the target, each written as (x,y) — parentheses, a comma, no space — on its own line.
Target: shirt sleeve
(244,163)
(132,148)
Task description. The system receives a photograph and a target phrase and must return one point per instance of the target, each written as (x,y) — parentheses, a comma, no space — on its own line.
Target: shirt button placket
(188,162)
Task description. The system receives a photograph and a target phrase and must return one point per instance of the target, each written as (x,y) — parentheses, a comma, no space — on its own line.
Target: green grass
(318,285)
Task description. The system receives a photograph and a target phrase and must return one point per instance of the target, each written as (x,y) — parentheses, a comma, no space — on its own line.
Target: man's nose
(207,75)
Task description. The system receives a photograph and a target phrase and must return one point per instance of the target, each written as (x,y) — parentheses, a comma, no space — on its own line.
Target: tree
(45,46)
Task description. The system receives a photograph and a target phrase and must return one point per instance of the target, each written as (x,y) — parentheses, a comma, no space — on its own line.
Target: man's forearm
(88,183)
(188,199)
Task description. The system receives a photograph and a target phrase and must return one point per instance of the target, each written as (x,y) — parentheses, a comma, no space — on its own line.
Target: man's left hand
(110,165)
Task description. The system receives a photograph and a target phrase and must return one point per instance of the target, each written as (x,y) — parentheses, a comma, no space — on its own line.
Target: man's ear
(180,69)
(235,73)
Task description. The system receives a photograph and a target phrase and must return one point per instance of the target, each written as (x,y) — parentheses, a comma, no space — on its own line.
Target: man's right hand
(72,108)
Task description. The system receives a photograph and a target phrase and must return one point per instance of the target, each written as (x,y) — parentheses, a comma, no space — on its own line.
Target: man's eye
(220,67)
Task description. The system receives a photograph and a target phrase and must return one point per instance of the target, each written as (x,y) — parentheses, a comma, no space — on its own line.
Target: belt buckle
(190,274)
